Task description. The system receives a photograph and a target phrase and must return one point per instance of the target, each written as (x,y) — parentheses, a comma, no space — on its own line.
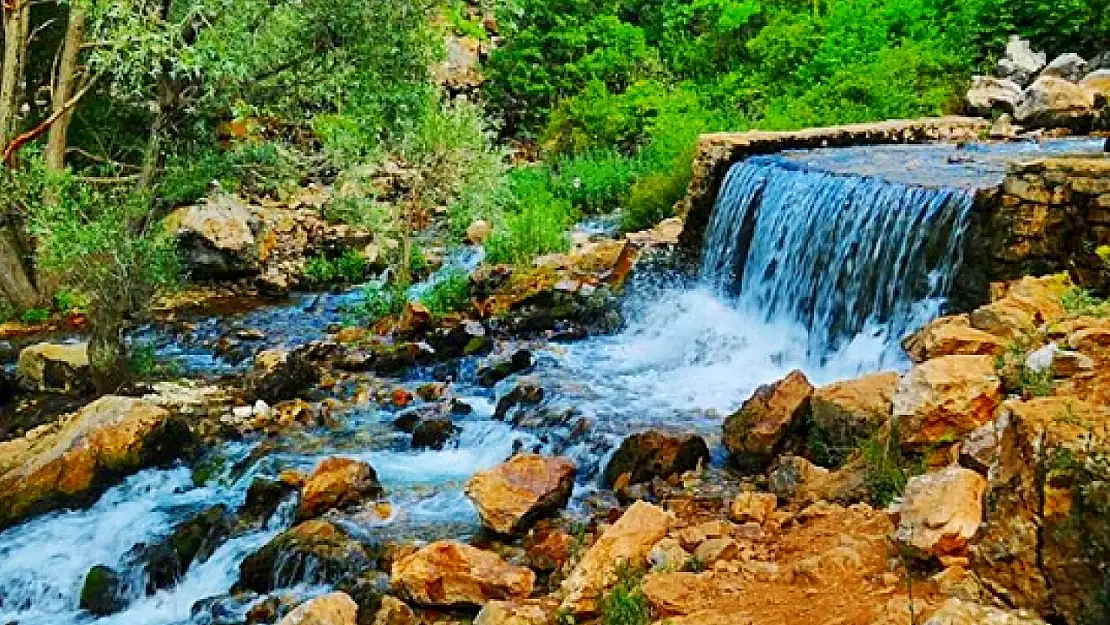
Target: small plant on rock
(1018,377)
(450,294)
(887,468)
(626,604)
(1082,303)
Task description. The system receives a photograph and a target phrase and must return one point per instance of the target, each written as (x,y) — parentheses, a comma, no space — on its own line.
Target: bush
(535,224)
(35,316)
(350,268)
(451,293)
(596,182)
(652,200)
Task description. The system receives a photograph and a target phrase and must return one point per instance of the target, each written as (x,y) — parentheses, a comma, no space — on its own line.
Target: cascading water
(811,261)
(842,256)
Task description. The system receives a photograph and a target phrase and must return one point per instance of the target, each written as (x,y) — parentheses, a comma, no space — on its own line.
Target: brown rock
(450,574)
(846,412)
(55,368)
(217,238)
(536,612)
(952,336)
(648,455)
(940,512)
(1054,102)
(754,433)
(314,552)
(679,594)
(548,548)
(393,611)
(958,612)
(72,460)
(511,496)
(335,608)
(338,483)
(626,543)
(708,617)
(478,232)
(944,399)
(752,506)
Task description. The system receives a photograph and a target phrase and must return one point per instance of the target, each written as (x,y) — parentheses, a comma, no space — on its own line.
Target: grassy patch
(1081,303)
(1018,377)
(887,468)
(350,268)
(450,294)
(626,604)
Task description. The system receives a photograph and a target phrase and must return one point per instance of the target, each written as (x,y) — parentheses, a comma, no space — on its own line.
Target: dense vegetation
(115,112)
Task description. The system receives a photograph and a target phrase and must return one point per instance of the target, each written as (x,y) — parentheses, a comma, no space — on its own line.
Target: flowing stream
(813,260)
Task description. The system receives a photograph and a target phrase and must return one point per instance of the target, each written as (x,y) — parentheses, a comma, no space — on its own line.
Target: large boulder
(846,412)
(989,94)
(648,455)
(55,368)
(1097,83)
(1042,546)
(626,543)
(314,552)
(942,400)
(754,433)
(454,575)
(72,460)
(1021,62)
(216,239)
(336,608)
(1054,102)
(511,496)
(338,483)
(940,512)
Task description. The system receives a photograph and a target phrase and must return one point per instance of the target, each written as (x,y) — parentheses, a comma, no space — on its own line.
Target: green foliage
(349,268)
(625,604)
(1081,302)
(451,293)
(145,364)
(887,469)
(1018,377)
(461,23)
(252,168)
(536,222)
(34,316)
(652,200)
(379,302)
(596,182)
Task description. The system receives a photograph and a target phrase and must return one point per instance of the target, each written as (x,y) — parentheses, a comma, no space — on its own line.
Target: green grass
(450,294)
(34,316)
(1018,377)
(626,604)
(350,268)
(534,225)
(887,469)
(379,302)
(1081,302)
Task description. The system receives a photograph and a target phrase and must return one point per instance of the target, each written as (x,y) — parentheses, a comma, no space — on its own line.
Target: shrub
(379,302)
(652,200)
(449,294)
(626,604)
(887,469)
(535,224)
(596,182)
(1081,302)
(350,268)
(34,316)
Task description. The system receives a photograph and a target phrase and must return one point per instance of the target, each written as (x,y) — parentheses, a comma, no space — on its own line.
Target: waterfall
(842,256)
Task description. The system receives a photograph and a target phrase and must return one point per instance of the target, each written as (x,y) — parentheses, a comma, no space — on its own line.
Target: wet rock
(368,591)
(450,574)
(753,434)
(55,368)
(846,412)
(393,611)
(946,398)
(952,336)
(958,612)
(279,375)
(314,552)
(338,483)
(500,368)
(1021,63)
(72,460)
(626,543)
(1068,66)
(408,420)
(548,548)
(940,512)
(526,392)
(335,608)
(1054,103)
(513,495)
(264,497)
(195,540)
(989,94)
(216,239)
(648,455)
(104,592)
(9,389)
(433,433)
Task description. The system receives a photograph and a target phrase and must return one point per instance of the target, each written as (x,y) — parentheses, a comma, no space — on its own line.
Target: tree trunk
(15,280)
(63,89)
(17,22)
(108,360)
